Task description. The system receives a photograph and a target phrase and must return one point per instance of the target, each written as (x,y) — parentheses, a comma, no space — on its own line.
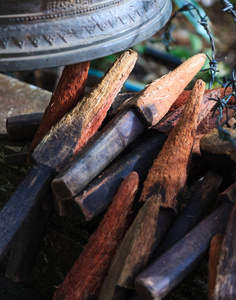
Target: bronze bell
(48,33)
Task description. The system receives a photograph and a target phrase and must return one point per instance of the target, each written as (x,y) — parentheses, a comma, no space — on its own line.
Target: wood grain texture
(225,287)
(102,150)
(140,240)
(203,195)
(122,260)
(58,147)
(99,192)
(155,100)
(69,91)
(181,259)
(171,119)
(167,177)
(213,261)
(86,276)
(30,194)
(183,97)
(64,185)
(82,122)
(26,245)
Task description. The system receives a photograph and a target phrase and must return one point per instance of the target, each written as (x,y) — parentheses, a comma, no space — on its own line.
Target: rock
(219,154)
(18,98)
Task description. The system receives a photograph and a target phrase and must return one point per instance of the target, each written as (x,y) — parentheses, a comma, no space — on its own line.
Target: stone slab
(17,97)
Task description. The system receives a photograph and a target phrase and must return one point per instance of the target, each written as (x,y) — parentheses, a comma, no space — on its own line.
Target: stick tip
(131,53)
(200,83)
(200,59)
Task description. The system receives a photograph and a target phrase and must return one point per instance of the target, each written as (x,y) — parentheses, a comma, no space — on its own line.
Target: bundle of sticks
(148,250)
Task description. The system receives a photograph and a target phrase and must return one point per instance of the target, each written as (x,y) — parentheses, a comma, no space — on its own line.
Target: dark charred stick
(23,126)
(86,276)
(170,120)
(16,159)
(150,105)
(69,91)
(30,194)
(204,194)
(111,287)
(51,155)
(225,287)
(110,142)
(10,290)
(181,259)
(26,244)
(99,193)
(213,261)
(140,240)
(219,154)
(199,238)
(181,100)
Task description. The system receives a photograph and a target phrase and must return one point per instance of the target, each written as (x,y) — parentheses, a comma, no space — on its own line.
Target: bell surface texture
(45,33)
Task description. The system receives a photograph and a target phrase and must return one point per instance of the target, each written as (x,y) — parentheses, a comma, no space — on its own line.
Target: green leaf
(181,52)
(196,43)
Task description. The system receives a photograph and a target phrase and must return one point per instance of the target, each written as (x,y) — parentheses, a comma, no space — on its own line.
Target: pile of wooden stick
(151,249)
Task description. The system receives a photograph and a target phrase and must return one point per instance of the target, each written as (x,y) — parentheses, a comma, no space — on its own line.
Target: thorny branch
(221,103)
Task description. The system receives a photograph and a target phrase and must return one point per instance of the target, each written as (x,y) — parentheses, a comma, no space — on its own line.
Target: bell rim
(22,58)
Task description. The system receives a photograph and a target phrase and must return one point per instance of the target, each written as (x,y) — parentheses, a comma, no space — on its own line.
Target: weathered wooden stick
(182,99)
(98,194)
(203,195)
(176,152)
(69,91)
(86,276)
(169,121)
(148,107)
(213,261)
(116,271)
(51,154)
(181,259)
(16,159)
(26,244)
(139,242)
(27,241)
(10,290)
(23,126)
(225,287)
(220,154)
